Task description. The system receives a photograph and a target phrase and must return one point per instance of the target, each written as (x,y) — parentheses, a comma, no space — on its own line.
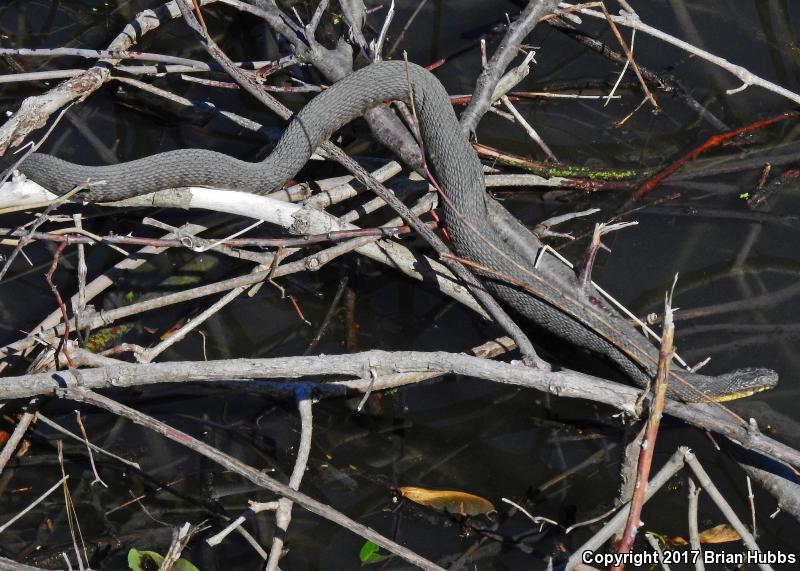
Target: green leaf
(371,553)
(184,565)
(139,560)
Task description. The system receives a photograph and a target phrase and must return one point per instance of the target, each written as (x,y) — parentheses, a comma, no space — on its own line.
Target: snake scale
(558,303)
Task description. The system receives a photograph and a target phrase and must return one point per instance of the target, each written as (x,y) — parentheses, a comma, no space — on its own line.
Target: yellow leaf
(450,501)
(722,533)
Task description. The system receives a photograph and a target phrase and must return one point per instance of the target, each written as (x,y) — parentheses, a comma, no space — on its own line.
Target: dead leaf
(449,501)
(722,533)
(23,448)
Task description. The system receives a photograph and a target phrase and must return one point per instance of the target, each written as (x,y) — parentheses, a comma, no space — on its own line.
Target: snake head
(745,382)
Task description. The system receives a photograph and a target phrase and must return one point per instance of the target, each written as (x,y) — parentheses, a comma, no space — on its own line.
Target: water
(459,434)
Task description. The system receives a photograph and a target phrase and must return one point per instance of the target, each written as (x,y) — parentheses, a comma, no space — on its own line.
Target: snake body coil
(559,305)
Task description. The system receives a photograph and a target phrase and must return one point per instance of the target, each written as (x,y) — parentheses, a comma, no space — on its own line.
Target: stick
(487,81)
(283,516)
(616,523)
(724,507)
(694,535)
(665,355)
(565,383)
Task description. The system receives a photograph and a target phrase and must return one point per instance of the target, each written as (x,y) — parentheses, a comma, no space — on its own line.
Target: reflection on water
(737,295)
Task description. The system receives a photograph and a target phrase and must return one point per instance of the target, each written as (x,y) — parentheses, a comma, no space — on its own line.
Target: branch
(487,81)
(35,110)
(283,516)
(747,77)
(564,383)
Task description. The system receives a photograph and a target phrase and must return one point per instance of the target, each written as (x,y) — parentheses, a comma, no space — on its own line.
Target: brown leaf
(722,533)
(450,501)
(676,541)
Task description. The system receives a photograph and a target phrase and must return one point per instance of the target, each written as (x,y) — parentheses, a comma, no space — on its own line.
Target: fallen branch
(565,383)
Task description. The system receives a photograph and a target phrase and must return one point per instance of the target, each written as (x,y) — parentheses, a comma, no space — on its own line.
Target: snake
(502,249)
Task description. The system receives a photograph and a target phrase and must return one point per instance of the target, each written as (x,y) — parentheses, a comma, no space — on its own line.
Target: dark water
(459,434)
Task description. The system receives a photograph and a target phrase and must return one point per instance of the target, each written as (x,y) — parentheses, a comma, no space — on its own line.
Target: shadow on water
(461,433)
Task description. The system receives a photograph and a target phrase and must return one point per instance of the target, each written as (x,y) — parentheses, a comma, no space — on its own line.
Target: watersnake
(559,304)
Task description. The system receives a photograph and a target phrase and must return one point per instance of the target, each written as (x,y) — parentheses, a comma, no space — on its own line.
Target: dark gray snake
(559,304)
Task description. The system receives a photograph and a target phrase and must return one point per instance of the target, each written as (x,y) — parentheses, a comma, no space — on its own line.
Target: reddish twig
(711,143)
(62,306)
(666,353)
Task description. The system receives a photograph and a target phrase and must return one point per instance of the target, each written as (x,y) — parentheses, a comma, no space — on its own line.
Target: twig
(486,83)
(59,300)
(33,504)
(16,437)
(283,516)
(694,535)
(98,54)
(712,142)
(255,508)
(629,55)
(529,129)
(743,74)
(180,539)
(246,204)
(35,110)
(724,507)
(201,105)
(659,394)
(377,46)
(656,546)
(55,426)
(328,316)
(663,82)
(97,477)
(71,236)
(406,27)
(148,355)
(69,507)
(98,285)
(751,500)
(672,467)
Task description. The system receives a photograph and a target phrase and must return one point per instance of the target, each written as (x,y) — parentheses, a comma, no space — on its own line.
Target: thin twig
(725,508)
(694,535)
(747,78)
(283,516)
(33,504)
